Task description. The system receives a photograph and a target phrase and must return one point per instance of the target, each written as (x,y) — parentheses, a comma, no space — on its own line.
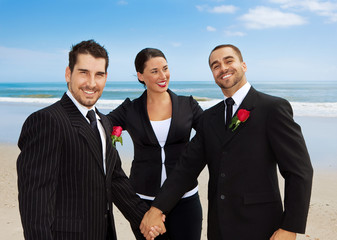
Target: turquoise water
(315,108)
(307,98)
(320,92)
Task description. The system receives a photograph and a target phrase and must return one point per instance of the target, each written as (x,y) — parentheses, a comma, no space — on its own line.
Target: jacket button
(222,197)
(222,175)
(105,215)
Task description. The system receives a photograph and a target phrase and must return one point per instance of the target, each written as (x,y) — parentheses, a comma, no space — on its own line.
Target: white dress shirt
(238,97)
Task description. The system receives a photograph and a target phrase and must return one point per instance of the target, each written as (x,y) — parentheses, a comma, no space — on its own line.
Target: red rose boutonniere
(242,116)
(116,135)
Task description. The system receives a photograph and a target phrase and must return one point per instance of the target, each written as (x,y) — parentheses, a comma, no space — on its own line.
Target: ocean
(307,98)
(314,105)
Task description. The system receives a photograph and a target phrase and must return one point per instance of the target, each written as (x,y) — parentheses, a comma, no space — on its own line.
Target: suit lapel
(218,120)
(109,160)
(146,120)
(78,121)
(248,103)
(174,117)
(147,124)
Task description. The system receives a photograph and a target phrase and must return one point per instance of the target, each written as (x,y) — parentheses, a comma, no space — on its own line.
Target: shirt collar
(240,94)
(84,110)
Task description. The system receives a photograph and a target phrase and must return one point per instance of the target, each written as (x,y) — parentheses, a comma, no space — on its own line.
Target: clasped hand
(153,223)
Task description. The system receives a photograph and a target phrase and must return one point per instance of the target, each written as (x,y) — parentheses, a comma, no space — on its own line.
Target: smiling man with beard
(242,155)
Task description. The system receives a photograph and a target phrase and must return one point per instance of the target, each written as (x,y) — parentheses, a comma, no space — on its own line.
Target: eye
(215,67)
(154,71)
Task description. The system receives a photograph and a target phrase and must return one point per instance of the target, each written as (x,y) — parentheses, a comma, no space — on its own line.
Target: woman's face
(156,75)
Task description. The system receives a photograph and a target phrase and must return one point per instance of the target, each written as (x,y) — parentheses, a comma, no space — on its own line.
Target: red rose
(243,115)
(116,135)
(117,131)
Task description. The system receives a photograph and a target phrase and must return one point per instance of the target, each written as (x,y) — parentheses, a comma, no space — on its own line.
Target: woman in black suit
(160,123)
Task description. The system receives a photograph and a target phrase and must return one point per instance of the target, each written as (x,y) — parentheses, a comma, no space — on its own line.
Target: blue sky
(281,40)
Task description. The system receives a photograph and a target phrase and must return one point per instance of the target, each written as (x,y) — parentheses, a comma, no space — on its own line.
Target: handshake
(153,223)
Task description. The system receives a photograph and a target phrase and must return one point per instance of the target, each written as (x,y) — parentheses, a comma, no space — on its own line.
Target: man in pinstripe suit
(67,178)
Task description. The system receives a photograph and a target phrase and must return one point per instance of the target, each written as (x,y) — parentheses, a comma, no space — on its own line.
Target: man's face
(228,71)
(87,81)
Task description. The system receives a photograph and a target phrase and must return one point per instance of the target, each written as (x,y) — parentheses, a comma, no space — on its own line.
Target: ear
(106,78)
(68,74)
(140,76)
(244,66)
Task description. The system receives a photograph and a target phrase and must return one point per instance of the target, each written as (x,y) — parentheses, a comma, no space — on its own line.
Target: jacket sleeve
(125,198)
(186,172)
(197,112)
(294,164)
(117,117)
(37,168)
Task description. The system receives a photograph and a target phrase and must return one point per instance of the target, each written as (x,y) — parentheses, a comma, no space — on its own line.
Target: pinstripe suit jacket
(63,190)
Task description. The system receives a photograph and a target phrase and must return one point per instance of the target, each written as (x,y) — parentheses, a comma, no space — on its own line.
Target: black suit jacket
(243,192)
(63,190)
(145,175)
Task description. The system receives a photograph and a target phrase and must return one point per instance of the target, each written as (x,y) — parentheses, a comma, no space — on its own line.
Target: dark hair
(87,47)
(236,50)
(143,56)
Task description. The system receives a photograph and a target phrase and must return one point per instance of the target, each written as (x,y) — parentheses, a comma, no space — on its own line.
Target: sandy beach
(322,220)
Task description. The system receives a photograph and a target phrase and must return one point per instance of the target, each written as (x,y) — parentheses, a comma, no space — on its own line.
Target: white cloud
(176,44)
(223,9)
(217,9)
(235,34)
(210,29)
(201,8)
(322,8)
(263,17)
(122,2)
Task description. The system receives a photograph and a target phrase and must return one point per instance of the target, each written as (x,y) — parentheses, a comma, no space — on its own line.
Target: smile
(227,76)
(162,84)
(88,92)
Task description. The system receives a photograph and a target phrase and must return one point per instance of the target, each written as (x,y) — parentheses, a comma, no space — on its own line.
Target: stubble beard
(229,85)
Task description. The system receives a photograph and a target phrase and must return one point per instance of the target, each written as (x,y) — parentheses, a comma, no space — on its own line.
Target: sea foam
(300,108)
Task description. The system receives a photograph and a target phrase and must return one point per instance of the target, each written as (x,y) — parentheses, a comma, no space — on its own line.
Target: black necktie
(91,115)
(229,111)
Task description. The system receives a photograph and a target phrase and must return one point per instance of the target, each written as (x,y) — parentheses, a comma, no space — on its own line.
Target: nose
(162,75)
(224,67)
(91,82)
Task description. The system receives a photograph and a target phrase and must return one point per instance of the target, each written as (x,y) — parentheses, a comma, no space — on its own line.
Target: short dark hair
(87,47)
(143,56)
(236,50)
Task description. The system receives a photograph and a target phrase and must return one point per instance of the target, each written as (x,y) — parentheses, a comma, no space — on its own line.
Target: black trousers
(184,221)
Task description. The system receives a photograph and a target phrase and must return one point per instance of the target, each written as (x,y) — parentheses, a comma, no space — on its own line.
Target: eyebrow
(86,70)
(216,61)
(157,68)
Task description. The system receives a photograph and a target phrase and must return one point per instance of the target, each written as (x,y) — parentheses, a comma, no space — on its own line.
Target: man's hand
(283,235)
(153,217)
